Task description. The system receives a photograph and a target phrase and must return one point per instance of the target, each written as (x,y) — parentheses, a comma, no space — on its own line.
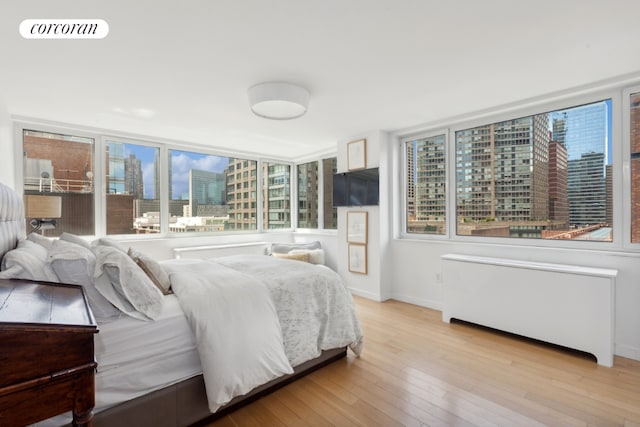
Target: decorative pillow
(27,261)
(284,248)
(303,256)
(75,264)
(72,238)
(153,269)
(41,240)
(316,256)
(128,287)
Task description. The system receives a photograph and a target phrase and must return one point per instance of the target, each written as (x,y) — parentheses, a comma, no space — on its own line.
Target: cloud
(183,162)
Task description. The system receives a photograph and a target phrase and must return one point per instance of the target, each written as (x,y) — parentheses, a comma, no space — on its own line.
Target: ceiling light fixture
(278,101)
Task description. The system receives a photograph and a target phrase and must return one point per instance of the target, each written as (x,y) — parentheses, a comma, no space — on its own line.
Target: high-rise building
(429,179)
(583,130)
(241,193)
(329,168)
(411,181)
(308,195)
(205,189)
(133,181)
(558,190)
(587,189)
(276,183)
(503,171)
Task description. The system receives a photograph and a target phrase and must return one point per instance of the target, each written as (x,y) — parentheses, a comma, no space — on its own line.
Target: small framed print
(357,258)
(357,154)
(357,227)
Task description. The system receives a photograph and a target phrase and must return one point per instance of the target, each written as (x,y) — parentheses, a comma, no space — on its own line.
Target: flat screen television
(356,188)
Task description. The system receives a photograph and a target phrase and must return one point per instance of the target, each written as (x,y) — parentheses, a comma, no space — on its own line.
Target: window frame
(163,191)
(27,125)
(100,138)
(404,182)
(619,146)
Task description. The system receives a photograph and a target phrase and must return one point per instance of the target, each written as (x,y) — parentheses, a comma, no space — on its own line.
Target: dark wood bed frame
(185,403)
(179,405)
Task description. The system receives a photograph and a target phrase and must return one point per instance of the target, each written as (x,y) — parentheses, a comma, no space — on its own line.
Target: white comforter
(255,316)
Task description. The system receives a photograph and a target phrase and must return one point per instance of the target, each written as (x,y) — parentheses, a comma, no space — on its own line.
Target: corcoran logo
(64,29)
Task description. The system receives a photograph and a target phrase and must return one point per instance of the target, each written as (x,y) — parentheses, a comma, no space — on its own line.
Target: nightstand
(47,361)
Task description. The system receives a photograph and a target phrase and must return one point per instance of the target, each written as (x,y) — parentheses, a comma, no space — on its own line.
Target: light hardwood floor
(418,371)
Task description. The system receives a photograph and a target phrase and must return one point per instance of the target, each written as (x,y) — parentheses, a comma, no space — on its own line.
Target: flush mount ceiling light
(278,101)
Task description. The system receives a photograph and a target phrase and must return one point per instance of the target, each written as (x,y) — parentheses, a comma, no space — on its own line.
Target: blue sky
(181,163)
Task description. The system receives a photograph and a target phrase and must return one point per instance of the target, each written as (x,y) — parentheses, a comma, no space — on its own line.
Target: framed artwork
(357,258)
(357,227)
(357,154)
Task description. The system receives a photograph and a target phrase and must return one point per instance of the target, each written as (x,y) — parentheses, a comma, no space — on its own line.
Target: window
(634,116)
(132,188)
(60,167)
(425,190)
(276,179)
(308,195)
(546,176)
(199,191)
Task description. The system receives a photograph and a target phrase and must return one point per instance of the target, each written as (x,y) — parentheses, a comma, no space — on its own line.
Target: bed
(158,349)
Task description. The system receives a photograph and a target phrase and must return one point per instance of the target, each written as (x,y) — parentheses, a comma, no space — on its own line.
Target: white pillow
(41,240)
(153,269)
(127,286)
(285,248)
(75,264)
(27,261)
(72,238)
(105,241)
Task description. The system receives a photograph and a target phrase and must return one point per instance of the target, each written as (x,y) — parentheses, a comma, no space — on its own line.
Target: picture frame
(358,258)
(357,154)
(357,227)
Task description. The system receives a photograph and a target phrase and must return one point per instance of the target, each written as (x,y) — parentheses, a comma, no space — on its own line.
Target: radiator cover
(567,305)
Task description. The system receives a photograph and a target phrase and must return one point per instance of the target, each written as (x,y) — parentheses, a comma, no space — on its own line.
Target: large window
(132,188)
(425,190)
(546,176)
(58,176)
(276,195)
(147,187)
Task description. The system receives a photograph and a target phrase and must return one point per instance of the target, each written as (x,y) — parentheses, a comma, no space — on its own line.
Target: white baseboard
(432,304)
(365,294)
(627,351)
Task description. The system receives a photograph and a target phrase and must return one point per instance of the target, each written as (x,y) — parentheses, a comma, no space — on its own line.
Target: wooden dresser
(47,362)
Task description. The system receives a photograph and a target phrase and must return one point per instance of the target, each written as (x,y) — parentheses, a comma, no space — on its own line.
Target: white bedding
(314,312)
(256,297)
(136,357)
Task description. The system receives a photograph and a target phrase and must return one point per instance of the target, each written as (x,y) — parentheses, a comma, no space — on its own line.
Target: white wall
(416,265)
(7,168)
(374,284)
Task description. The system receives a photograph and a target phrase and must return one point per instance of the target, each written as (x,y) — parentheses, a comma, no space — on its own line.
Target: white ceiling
(180,69)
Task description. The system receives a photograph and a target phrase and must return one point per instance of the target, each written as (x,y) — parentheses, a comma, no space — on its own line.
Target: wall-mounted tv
(356,188)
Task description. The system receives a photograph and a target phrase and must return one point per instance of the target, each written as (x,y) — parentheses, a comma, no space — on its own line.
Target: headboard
(12,221)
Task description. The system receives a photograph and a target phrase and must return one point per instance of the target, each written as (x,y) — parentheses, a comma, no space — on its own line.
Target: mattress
(137,357)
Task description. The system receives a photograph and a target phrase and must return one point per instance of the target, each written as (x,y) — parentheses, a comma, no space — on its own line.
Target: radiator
(567,305)
(213,251)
